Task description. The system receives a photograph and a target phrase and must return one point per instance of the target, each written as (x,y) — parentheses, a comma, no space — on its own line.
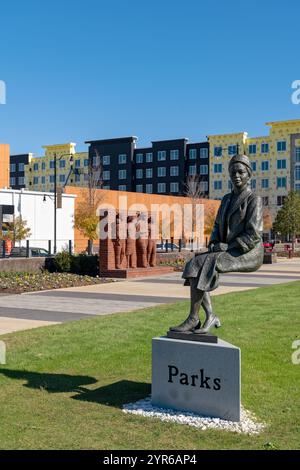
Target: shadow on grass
(52,383)
(115,394)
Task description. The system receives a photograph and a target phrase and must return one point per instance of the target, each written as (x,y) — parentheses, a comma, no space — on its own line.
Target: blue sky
(89,69)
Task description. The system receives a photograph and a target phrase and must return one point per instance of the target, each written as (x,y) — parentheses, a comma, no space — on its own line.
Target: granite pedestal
(198,377)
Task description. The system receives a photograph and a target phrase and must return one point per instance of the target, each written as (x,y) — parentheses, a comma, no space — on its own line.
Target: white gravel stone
(247,425)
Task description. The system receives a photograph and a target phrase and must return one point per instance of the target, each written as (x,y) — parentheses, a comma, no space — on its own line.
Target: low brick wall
(29,265)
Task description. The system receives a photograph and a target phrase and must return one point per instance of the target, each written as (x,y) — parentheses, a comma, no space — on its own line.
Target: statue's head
(240,171)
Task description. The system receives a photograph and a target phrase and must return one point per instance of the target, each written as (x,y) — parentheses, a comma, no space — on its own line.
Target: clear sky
(90,69)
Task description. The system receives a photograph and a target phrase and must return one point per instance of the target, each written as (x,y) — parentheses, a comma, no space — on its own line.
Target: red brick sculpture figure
(119,245)
(142,240)
(130,242)
(151,246)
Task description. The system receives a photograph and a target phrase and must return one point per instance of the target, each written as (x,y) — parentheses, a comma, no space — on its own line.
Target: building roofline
(112,141)
(169,140)
(287,122)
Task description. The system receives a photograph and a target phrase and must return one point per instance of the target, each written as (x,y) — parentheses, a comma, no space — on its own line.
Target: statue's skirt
(207,266)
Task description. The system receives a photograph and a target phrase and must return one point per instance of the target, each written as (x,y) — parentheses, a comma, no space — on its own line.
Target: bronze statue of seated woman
(235,246)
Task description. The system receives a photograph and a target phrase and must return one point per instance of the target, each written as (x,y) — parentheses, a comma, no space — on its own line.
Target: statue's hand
(220,247)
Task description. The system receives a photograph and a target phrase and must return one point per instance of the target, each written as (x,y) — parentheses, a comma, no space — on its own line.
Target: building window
(51,178)
(281,146)
(280,200)
(86,177)
(122,174)
(297,172)
(161,187)
(174,170)
(297,187)
(161,155)
(86,162)
(230,186)
(174,187)
(139,173)
(192,169)
(77,163)
(43,166)
(265,165)
(139,158)
(12,181)
(43,179)
(149,172)
(232,149)
(122,187)
(265,183)
(106,175)
(21,167)
(174,154)
(139,188)
(62,163)
(217,185)
(122,158)
(265,148)
(21,181)
(203,185)
(253,184)
(297,154)
(203,169)
(105,160)
(107,186)
(51,164)
(161,171)
(265,201)
(281,182)
(77,178)
(149,188)
(35,180)
(35,167)
(62,178)
(218,151)
(149,157)
(96,161)
(253,166)
(281,164)
(218,168)
(12,167)
(252,149)
(204,152)
(193,154)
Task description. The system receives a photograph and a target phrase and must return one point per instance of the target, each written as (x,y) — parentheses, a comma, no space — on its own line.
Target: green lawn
(63,386)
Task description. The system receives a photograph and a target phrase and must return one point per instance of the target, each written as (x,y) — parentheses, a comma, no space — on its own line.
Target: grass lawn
(63,386)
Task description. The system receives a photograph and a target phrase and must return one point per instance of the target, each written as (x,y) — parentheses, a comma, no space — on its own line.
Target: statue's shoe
(213,320)
(188,325)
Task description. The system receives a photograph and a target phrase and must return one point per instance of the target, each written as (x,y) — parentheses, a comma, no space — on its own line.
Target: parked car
(20,252)
(269,245)
(162,247)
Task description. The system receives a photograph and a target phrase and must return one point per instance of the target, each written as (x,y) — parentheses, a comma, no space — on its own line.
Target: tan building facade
(275,160)
(4,165)
(39,173)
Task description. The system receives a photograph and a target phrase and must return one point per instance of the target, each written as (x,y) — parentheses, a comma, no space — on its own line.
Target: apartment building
(71,168)
(275,160)
(17,167)
(162,168)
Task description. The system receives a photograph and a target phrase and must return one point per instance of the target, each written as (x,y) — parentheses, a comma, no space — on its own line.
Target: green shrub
(62,262)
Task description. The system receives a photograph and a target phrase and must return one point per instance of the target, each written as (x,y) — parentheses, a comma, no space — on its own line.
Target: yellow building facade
(39,173)
(275,160)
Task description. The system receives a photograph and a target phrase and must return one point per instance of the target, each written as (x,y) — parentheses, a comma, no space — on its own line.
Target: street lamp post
(71,160)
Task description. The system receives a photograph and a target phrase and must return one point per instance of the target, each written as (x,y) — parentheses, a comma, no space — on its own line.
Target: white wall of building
(39,214)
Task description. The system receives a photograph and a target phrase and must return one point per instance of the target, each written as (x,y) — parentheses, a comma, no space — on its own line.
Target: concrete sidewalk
(31,310)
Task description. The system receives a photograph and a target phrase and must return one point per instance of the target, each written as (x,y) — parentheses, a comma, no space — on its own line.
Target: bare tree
(86,218)
(194,192)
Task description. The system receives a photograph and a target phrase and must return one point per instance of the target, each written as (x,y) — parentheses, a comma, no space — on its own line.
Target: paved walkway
(31,310)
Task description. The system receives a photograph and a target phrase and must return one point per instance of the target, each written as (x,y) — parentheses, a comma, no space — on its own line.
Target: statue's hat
(241,159)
